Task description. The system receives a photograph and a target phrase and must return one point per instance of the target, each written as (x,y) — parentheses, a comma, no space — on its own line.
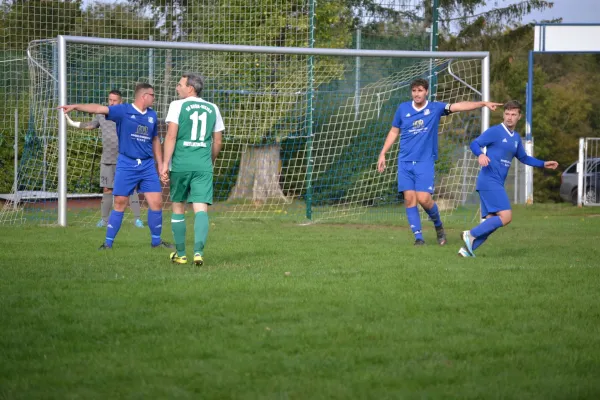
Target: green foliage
(22,22)
(38,19)
(7,142)
(13,71)
(566,99)
(565,109)
(114,20)
(460,15)
(270,90)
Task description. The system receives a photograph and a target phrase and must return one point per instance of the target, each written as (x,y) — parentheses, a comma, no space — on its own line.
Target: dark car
(569,180)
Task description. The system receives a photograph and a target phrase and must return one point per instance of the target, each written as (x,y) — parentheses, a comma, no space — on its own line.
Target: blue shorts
(493,201)
(141,176)
(416,175)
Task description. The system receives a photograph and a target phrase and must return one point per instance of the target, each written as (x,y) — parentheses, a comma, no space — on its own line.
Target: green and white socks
(178,228)
(200,232)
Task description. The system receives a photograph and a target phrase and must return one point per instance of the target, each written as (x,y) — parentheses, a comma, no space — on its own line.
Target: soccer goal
(304,126)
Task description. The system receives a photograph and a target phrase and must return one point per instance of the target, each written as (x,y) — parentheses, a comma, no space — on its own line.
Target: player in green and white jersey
(193,142)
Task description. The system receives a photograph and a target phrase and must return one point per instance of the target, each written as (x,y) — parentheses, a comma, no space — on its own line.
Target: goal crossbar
(63,40)
(314,51)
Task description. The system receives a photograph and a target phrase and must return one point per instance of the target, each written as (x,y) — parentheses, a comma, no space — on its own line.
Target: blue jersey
(502,146)
(135,130)
(419,130)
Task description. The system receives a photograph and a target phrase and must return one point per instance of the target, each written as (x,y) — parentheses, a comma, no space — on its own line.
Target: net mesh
(271,126)
(302,133)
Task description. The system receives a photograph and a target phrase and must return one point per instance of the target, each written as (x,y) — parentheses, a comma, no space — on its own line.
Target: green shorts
(192,187)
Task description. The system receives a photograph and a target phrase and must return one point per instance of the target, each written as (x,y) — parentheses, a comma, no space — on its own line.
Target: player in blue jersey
(139,154)
(502,143)
(417,122)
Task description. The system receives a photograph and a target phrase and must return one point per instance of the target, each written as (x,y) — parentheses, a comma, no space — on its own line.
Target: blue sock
(434,214)
(155,225)
(479,241)
(487,227)
(112,228)
(414,220)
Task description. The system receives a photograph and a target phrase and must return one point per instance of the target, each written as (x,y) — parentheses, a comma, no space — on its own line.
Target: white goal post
(63,73)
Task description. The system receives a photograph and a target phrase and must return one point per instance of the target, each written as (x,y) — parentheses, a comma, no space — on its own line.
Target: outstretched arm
(532,161)
(93,124)
(535,162)
(473,105)
(87,108)
(550,164)
(389,141)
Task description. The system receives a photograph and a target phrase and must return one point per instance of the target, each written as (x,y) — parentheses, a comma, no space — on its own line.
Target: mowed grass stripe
(361,314)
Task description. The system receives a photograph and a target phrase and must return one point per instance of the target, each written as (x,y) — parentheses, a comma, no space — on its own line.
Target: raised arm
(86,108)
(473,105)
(387,145)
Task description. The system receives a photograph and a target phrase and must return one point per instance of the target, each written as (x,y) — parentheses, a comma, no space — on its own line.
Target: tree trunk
(258,177)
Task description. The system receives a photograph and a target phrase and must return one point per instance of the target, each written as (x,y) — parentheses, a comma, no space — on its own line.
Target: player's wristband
(72,123)
(447,110)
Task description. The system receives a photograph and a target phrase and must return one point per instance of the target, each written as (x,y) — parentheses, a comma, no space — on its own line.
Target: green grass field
(362,313)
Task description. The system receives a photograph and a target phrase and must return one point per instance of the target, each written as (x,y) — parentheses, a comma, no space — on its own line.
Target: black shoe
(164,245)
(104,247)
(441,235)
(419,242)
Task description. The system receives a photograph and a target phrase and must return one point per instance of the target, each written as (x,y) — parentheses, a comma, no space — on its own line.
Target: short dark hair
(142,86)
(194,80)
(420,82)
(117,92)
(513,105)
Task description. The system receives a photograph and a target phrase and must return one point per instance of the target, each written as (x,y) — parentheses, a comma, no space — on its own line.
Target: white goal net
(302,135)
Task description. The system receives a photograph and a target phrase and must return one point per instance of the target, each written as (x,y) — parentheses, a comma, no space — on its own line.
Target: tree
(461,16)
(266,94)
(116,20)
(24,21)
(565,99)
